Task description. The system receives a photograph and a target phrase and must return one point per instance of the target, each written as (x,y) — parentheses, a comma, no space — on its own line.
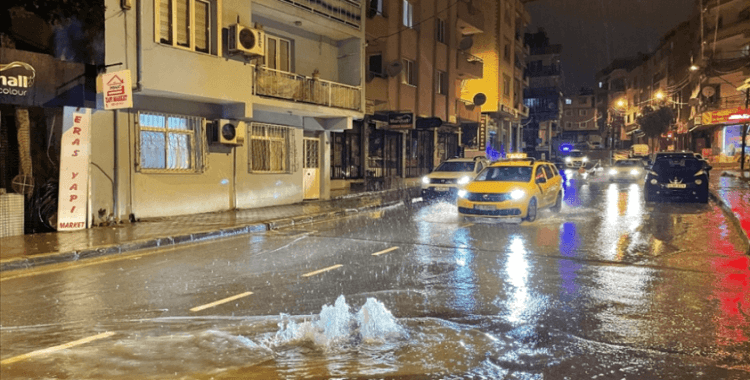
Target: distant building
(580,117)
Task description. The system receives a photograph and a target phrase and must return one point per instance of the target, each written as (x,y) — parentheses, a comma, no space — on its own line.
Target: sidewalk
(732,192)
(18,252)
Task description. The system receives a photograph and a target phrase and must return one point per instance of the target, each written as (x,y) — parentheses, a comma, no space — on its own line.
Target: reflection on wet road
(610,288)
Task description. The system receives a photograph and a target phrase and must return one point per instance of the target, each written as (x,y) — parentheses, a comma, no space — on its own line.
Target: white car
(450,175)
(576,159)
(626,170)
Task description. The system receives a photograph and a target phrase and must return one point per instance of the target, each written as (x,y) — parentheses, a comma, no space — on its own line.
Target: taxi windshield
(576,153)
(628,163)
(506,174)
(455,167)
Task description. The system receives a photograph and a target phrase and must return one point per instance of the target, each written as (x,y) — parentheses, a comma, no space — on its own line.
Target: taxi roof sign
(516,155)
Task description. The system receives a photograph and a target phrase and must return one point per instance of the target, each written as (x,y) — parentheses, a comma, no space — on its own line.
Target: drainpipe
(139,45)
(116,174)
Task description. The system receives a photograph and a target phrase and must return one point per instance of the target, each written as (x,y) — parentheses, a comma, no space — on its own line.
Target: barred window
(170,143)
(271,148)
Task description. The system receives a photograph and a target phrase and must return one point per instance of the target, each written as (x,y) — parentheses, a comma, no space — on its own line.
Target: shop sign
(16,78)
(482,132)
(682,128)
(74,169)
(117,90)
(723,116)
(400,120)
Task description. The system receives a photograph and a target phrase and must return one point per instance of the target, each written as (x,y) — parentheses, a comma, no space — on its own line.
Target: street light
(659,95)
(694,67)
(620,103)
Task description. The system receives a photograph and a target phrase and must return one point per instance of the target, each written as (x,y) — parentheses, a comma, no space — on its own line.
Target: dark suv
(677,177)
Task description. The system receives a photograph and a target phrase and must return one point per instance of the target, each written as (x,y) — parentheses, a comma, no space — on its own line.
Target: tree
(655,122)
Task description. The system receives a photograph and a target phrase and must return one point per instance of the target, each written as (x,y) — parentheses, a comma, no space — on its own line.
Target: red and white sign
(117,90)
(75,153)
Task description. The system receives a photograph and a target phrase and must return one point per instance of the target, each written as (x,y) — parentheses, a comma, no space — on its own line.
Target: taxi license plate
(484,207)
(676,185)
(441,189)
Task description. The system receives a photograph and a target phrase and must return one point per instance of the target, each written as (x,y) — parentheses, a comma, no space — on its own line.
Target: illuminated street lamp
(620,103)
(694,67)
(659,95)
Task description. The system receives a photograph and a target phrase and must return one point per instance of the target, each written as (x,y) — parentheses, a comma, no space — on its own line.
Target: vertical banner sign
(74,169)
(117,90)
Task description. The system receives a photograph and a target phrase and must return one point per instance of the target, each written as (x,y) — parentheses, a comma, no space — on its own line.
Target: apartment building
(544,97)
(579,120)
(611,99)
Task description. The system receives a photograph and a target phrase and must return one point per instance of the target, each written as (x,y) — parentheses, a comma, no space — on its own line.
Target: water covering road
(610,288)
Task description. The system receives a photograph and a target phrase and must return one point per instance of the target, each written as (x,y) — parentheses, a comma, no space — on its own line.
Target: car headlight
(585,159)
(462,193)
(635,172)
(654,181)
(464,180)
(612,172)
(698,182)
(517,194)
(426,180)
(568,159)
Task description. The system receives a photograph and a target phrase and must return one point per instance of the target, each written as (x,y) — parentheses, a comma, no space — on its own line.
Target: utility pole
(744,133)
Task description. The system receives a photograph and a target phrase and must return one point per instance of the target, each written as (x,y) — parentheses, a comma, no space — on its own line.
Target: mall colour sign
(74,169)
(723,116)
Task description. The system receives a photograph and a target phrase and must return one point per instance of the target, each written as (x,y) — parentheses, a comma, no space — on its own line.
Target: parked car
(677,177)
(628,170)
(446,179)
(512,189)
(706,166)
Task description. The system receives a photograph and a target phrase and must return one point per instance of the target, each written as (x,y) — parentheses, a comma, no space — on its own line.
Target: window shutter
(165,21)
(183,24)
(202,25)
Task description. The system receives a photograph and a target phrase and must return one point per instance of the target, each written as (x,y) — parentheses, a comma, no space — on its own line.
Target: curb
(727,209)
(60,257)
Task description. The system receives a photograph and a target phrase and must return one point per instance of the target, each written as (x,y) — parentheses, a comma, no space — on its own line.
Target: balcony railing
(348,12)
(300,88)
(469,65)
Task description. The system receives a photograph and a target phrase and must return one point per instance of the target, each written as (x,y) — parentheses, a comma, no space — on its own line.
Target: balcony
(740,29)
(303,89)
(470,18)
(523,111)
(469,66)
(467,111)
(348,12)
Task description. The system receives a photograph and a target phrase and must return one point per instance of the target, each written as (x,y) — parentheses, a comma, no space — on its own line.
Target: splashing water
(336,325)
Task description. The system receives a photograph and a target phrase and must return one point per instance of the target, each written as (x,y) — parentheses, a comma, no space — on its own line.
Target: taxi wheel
(558,203)
(531,211)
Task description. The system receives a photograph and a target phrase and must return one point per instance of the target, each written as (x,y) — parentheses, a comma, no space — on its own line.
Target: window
(583,125)
(568,125)
(506,86)
(409,73)
(568,101)
(440,30)
(170,143)
(547,171)
(442,83)
(187,24)
(506,51)
(376,64)
(271,148)
(377,8)
(582,112)
(408,10)
(278,55)
(568,112)
(582,100)
(601,84)
(508,15)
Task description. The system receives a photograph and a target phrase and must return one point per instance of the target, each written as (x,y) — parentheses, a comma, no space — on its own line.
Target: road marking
(385,251)
(57,348)
(319,271)
(302,234)
(219,302)
(466,225)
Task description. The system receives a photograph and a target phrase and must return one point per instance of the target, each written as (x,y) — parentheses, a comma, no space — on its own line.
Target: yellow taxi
(515,188)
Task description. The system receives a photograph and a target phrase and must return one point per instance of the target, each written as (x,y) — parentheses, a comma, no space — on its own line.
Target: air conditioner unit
(230,132)
(248,41)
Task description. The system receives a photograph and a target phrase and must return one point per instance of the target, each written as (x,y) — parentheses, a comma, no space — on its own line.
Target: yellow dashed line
(322,270)
(219,302)
(57,348)
(385,251)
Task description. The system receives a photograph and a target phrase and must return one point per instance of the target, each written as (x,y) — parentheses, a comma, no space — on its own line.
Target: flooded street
(610,288)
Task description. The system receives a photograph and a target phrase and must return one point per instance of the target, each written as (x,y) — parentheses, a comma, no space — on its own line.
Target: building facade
(580,119)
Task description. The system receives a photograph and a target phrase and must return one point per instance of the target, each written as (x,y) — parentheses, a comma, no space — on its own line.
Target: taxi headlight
(568,159)
(464,180)
(612,172)
(635,172)
(462,193)
(426,180)
(517,194)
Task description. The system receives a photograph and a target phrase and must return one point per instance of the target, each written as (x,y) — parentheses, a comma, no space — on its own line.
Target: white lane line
(319,271)
(385,251)
(302,234)
(57,348)
(219,302)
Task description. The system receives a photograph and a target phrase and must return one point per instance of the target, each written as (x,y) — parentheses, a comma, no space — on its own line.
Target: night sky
(594,32)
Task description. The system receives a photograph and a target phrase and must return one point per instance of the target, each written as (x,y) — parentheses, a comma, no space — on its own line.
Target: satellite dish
(466,43)
(480,99)
(708,91)
(394,68)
